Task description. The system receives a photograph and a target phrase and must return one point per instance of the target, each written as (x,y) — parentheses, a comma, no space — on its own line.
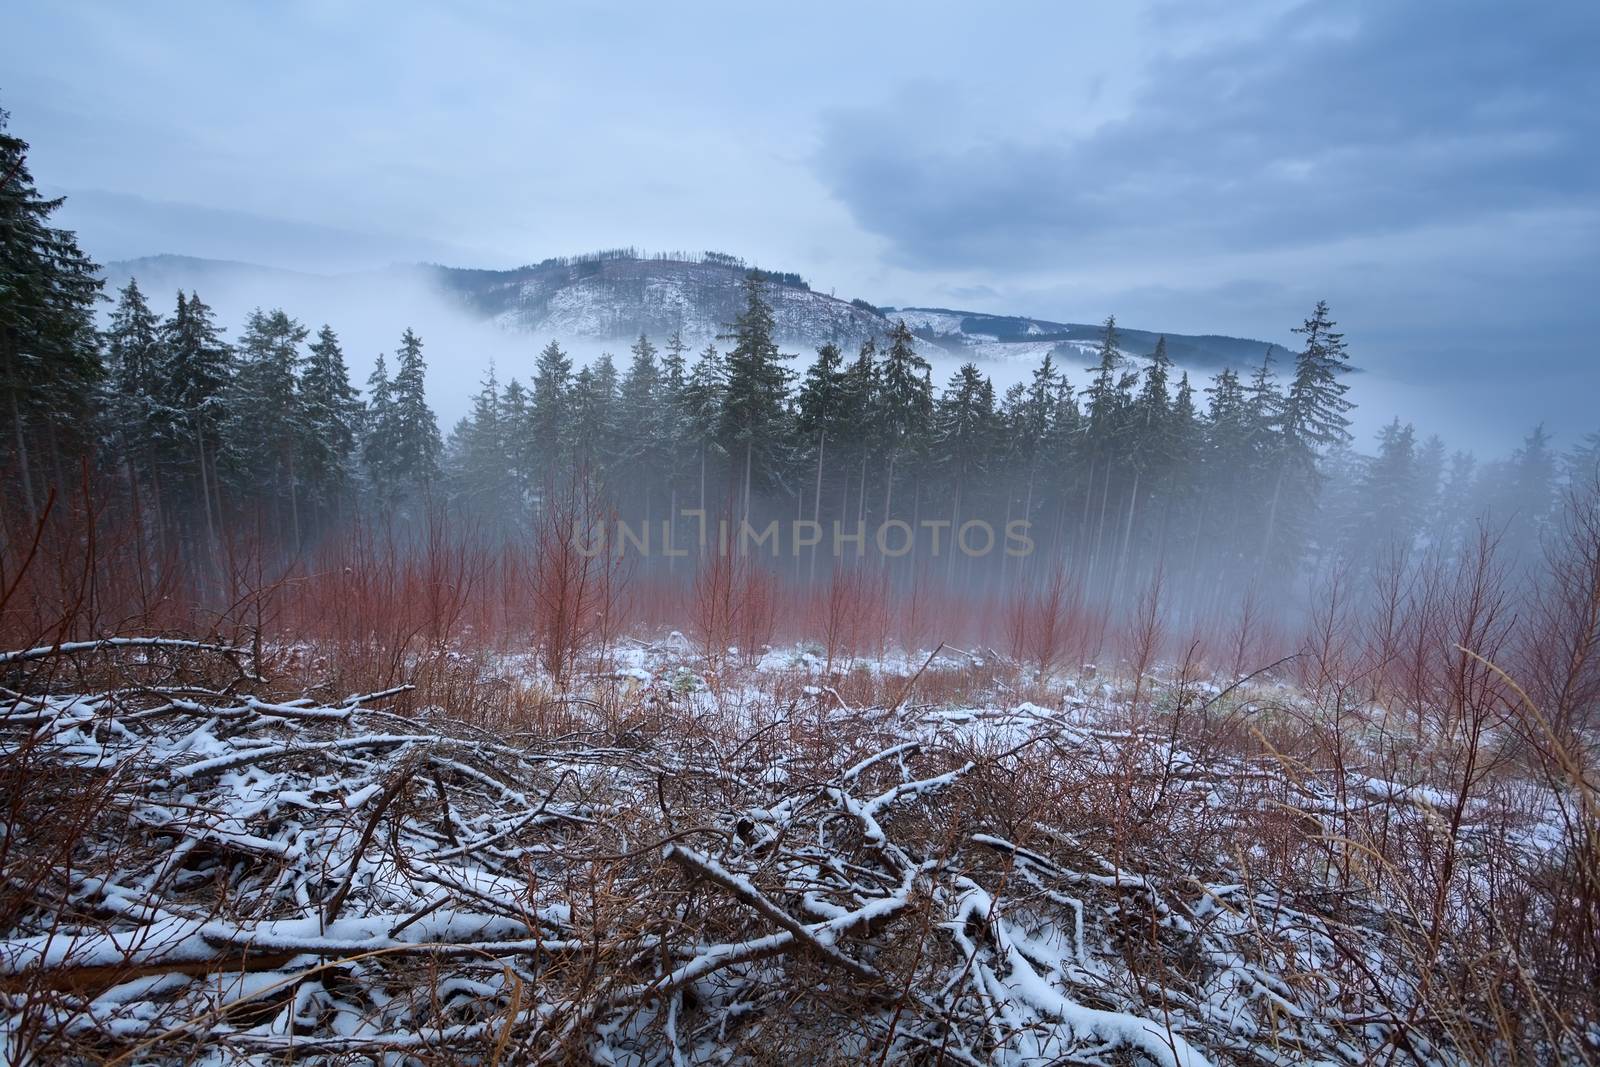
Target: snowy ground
(671,868)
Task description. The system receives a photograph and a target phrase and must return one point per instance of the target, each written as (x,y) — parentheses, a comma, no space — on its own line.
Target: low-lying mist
(371,309)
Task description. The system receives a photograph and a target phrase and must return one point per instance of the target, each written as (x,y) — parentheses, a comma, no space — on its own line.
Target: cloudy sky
(1429,169)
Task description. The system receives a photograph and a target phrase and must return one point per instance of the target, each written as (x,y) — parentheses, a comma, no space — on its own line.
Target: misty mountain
(611,297)
(618,295)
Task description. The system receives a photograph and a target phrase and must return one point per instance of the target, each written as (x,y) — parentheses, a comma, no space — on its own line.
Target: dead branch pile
(196,871)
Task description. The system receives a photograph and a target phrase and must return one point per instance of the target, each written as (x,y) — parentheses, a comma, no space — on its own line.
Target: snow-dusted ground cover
(667,867)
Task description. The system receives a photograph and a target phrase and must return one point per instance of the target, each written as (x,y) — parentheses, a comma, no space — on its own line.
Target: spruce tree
(1102,399)
(1314,419)
(1032,425)
(1064,430)
(1264,414)
(643,429)
(1183,409)
(820,401)
(674,415)
(907,400)
(1315,413)
(965,427)
(598,394)
(1452,519)
(1583,461)
(480,464)
(1151,411)
(702,405)
(50,361)
(550,415)
(1228,516)
(674,364)
(819,409)
(378,433)
(861,394)
(594,399)
(1385,515)
(330,414)
(1150,450)
(1187,471)
(1038,410)
(193,406)
(417,446)
(1525,502)
(522,454)
(752,429)
(906,408)
(264,423)
(1105,415)
(135,358)
(862,407)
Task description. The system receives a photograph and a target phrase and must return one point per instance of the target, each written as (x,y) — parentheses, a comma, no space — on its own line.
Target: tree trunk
(1100,528)
(749,451)
(816,500)
(888,486)
(670,530)
(1127,537)
(1272,519)
(205,490)
(1084,554)
(294,504)
(861,499)
(22,458)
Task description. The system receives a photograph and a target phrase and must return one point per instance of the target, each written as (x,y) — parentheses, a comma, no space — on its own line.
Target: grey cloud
(1381,117)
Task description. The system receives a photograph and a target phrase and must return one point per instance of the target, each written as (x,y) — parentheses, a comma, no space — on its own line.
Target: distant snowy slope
(1010,337)
(608,299)
(616,297)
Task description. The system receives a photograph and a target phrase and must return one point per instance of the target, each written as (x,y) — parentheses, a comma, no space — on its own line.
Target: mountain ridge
(613,296)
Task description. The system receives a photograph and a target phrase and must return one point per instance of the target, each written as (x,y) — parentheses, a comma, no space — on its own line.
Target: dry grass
(1384,849)
(1244,886)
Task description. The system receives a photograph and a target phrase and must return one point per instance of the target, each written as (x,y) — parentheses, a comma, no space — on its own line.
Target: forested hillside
(610,297)
(1248,480)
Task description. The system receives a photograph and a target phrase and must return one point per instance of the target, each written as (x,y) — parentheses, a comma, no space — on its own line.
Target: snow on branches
(206,873)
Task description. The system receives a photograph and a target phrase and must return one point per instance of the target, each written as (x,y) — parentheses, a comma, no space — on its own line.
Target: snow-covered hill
(1013,337)
(615,297)
(610,298)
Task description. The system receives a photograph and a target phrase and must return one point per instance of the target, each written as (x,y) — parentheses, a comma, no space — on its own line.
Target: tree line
(1250,479)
